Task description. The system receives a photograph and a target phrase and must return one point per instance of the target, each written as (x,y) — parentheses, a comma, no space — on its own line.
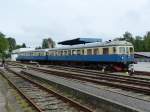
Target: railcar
(34,55)
(112,55)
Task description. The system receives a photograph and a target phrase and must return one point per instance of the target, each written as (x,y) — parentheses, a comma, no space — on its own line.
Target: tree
(118,39)
(4,45)
(139,44)
(23,45)
(12,43)
(147,41)
(128,37)
(44,44)
(39,47)
(48,43)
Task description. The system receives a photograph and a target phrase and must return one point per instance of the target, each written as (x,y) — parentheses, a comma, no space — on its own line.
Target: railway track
(123,82)
(142,73)
(90,72)
(127,84)
(97,73)
(40,97)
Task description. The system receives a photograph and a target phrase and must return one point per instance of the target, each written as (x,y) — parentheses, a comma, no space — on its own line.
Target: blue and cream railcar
(115,55)
(34,55)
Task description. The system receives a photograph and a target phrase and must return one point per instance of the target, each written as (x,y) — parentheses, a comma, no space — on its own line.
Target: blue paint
(82,58)
(32,58)
(93,58)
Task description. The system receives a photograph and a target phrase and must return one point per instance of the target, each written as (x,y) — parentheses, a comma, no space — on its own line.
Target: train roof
(16,51)
(80,41)
(88,45)
(36,50)
(96,44)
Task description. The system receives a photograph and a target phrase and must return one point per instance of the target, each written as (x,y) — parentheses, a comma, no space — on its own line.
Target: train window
(65,53)
(48,53)
(41,53)
(96,52)
(61,53)
(44,53)
(38,54)
(35,53)
(82,51)
(122,50)
(105,51)
(69,52)
(74,52)
(31,53)
(114,50)
(131,50)
(57,53)
(127,50)
(53,53)
(78,52)
(89,51)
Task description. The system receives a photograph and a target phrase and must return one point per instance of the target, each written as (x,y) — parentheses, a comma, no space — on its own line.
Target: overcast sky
(30,21)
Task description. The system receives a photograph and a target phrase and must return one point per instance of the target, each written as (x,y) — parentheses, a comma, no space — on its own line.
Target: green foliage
(12,43)
(23,45)
(48,43)
(39,47)
(4,45)
(141,44)
(44,44)
(147,41)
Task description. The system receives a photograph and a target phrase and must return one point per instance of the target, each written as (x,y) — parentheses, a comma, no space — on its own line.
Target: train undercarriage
(103,66)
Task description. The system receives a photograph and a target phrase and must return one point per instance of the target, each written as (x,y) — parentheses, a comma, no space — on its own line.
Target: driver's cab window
(131,50)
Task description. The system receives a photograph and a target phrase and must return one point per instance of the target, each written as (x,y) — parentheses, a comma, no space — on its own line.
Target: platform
(135,104)
(2,103)
(2,98)
(142,66)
